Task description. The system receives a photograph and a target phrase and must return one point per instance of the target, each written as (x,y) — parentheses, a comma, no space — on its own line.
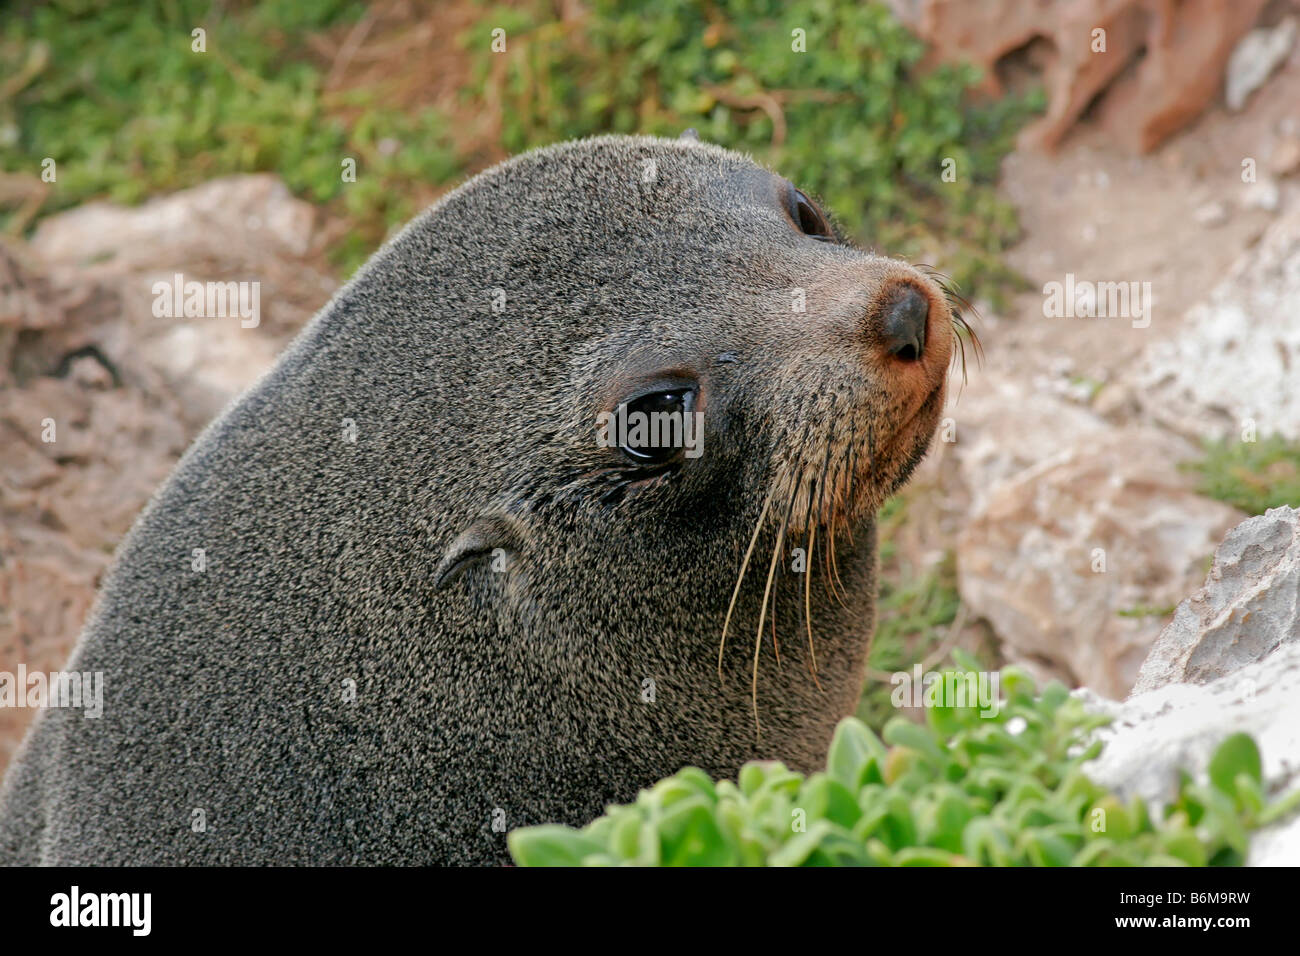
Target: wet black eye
(807,216)
(658,427)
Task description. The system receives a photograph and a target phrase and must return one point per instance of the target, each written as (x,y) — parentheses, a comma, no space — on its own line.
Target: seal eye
(807,216)
(657,427)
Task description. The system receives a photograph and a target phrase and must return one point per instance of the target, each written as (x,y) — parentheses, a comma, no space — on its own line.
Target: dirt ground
(1106,215)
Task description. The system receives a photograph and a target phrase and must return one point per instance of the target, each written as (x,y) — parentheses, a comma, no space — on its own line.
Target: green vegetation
(1252,476)
(1007,790)
(852,118)
(912,617)
(1148,610)
(115,94)
(914,613)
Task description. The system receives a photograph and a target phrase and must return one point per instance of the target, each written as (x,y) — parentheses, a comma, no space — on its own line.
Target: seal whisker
(807,604)
(853,469)
(758,639)
(958,306)
(838,584)
(758,527)
(821,491)
(821,487)
(776,645)
(829,559)
(785,523)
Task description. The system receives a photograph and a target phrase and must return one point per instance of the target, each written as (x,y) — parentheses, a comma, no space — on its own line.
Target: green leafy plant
(1252,476)
(1003,790)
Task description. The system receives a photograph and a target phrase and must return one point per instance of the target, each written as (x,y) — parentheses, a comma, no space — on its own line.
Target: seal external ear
(484,536)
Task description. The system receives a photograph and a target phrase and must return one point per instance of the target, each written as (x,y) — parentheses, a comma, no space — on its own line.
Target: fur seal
(400,597)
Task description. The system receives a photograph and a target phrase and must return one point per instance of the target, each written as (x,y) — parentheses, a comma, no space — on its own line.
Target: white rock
(1256,56)
(1005,427)
(1248,606)
(1263,194)
(1178,727)
(238,228)
(207,219)
(1211,214)
(1028,561)
(1236,357)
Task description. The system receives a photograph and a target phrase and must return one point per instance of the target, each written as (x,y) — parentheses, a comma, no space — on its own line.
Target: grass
(1252,476)
(912,619)
(116,95)
(1148,610)
(851,117)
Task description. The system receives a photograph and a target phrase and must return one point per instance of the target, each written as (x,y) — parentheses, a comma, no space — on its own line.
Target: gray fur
(521,691)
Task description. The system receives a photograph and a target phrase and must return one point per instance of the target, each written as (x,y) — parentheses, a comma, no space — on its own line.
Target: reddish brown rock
(1164,60)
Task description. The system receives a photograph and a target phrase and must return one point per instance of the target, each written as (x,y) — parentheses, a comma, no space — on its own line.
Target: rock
(1076,560)
(64,506)
(1003,428)
(1211,214)
(1156,735)
(1153,77)
(239,228)
(1248,606)
(1256,56)
(1115,402)
(188,226)
(1263,194)
(1285,158)
(1235,361)
(90,373)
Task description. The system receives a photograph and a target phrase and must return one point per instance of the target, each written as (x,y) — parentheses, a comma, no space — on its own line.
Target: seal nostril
(903,321)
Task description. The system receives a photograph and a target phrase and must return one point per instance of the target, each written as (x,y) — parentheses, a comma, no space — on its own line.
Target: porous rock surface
(1248,607)
(1229,663)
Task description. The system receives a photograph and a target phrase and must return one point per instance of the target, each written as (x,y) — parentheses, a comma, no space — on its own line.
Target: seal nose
(903,321)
